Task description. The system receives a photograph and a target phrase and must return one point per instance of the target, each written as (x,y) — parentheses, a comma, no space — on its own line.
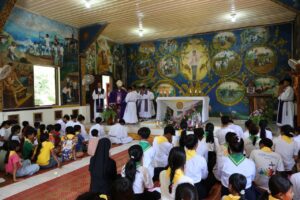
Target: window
(44,85)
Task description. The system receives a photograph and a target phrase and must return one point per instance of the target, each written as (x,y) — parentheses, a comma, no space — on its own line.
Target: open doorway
(106,82)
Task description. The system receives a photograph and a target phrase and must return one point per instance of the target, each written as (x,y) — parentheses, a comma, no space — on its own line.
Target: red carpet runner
(67,186)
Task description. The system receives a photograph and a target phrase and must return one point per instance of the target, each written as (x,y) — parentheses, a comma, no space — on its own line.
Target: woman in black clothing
(102,168)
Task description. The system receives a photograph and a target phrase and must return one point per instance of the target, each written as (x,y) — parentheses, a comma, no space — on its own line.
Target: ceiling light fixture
(233,17)
(141,32)
(87,3)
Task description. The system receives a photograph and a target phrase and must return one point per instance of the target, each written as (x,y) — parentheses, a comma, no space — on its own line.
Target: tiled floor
(52,174)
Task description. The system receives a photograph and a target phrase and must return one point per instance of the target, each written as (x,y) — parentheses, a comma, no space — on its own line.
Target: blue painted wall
(228,61)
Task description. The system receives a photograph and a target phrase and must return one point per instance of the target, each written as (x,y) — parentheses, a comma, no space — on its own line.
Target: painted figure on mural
(194,62)
(117,99)
(104,56)
(12,52)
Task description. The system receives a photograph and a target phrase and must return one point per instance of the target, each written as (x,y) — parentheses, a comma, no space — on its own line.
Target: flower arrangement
(266,113)
(191,116)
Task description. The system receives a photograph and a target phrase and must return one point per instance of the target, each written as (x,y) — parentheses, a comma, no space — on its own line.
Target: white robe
(288,109)
(95,97)
(118,134)
(130,114)
(99,128)
(149,112)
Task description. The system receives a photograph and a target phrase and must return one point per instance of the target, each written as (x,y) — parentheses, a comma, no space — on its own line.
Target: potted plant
(108,115)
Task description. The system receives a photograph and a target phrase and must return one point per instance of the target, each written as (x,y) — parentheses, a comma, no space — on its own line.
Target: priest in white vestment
(118,133)
(286,109)
(130,114)
(98,97)
(146,111)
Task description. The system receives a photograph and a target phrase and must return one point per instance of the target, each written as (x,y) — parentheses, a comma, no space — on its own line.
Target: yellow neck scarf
(190,154)
(161,139)
(178,175)
(272,198)
(266,149)
(231,197)
(287,139)
(11,153)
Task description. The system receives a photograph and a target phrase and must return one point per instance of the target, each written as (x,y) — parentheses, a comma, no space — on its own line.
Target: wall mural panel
(29,39)
(219,64)
(106,57)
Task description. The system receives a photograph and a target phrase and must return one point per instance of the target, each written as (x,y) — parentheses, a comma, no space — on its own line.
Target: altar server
(151,101)
(98,127)
(162,146)
(98,97)
(148,150)
(130,115)
(173,175)
(196,165)
(286,147)
(221,133)
(267,163)
(285,114)
(236,162)
(118,133)
(146,109)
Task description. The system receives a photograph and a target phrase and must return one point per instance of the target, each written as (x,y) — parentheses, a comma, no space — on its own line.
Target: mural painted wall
(29,39)
(219,65)
(106,57)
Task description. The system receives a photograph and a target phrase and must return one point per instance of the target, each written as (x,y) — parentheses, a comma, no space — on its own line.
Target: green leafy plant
(109,114)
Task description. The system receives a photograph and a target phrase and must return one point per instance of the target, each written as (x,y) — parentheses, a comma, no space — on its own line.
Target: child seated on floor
(93,142)
(80,121)
(44,154)
(252,142)
(148,151)
(50,129)
(186,191)
(15,166)
(237,187)
(28,146)
(118,133)
(162,146)
(68,143)
(196,165)
(15,133)
(202,148)
(139,175)
(295,179)
(56,134)
(280,187)
(99,127)
(80,146)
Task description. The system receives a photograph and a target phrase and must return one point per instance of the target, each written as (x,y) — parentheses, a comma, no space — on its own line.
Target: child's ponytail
(135,154)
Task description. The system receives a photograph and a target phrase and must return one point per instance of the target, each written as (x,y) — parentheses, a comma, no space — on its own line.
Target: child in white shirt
(139,175)
(248,123)
(148,151)
(98,127)
(252,142)
(118,133)
(295,179)
(221,133)
(162,146)
(286,147)
(174,174)
(267,163)
(202,148)
(237,186)
(196,166)
(236,162)
(263,132)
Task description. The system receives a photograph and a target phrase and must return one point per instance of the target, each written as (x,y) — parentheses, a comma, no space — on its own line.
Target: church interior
(150,99)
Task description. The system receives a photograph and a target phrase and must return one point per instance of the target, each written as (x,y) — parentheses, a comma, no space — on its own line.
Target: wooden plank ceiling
(162,18)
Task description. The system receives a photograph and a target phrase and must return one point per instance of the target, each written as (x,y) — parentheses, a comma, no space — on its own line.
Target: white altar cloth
(180,105)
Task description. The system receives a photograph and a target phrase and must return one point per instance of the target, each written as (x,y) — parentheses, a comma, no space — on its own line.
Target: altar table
(181,104)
